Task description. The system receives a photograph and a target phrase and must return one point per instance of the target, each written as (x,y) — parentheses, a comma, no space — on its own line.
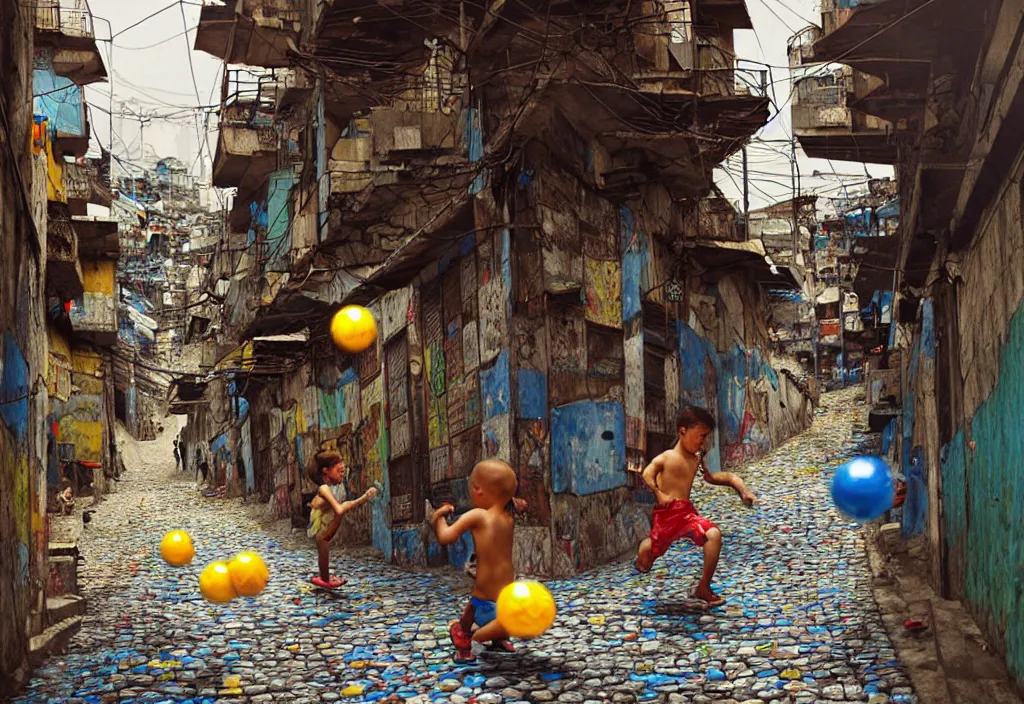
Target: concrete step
(61,608)
(62,549)
(53,640)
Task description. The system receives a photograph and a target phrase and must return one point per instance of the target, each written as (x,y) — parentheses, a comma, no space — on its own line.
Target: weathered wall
(725,367)
(96,311)
(982,501)
(23,399)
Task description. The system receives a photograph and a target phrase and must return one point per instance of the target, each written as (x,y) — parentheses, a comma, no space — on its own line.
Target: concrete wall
(96,310)
(23,531)
(982,501)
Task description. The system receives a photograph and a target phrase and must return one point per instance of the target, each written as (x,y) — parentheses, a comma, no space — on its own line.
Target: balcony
(63,268)
(801,47)
(65,28)
(388,157)
(62,103)
(250,32)
(726,14)
(98,237)
(293,87)
(876,36)
(248,142)
(828,128)
(94,315)
(87,182)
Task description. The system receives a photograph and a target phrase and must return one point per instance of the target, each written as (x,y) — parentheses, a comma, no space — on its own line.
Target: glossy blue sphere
(863,488)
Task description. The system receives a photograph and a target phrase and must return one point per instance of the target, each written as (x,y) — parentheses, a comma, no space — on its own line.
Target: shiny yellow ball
(353,329)
(249,574)
(215,583)
(526,609)
(176,548)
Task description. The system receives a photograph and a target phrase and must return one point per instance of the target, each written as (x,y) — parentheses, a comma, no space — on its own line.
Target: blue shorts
(484,611)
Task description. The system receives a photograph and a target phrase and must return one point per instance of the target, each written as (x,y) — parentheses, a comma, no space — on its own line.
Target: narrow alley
(801,623)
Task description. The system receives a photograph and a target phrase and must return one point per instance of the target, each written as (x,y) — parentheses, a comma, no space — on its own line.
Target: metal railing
(819,91)
(249,98)
(750,80)
(800,47)
(69,17)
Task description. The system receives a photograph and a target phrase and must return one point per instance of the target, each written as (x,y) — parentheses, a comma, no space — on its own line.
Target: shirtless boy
(492,485)
(670,476)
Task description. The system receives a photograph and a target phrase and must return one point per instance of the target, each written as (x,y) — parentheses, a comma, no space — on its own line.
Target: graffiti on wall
(14,388)
(604,292)
(492,319)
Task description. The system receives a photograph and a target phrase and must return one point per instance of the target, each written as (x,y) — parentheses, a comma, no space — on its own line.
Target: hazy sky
(151,75)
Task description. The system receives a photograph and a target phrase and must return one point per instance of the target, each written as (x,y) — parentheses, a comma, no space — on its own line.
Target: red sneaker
(462,642)
(334,582)
(503,646)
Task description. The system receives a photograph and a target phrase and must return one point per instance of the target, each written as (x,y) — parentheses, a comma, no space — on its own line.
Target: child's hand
(749,498)
(446,510)
(520,504)
(371,493)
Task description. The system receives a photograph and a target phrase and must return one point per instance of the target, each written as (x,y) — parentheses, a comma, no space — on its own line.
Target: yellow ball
(526,609)
(215,583)
(353,329)
(249,574)
(176,548)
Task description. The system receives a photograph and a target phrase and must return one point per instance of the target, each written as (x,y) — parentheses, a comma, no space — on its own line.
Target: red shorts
(676,520)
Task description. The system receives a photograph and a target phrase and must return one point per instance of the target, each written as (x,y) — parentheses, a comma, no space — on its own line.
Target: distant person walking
(177,455)
(202,467)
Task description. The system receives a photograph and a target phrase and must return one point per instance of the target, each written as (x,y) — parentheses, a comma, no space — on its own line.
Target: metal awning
(722,258)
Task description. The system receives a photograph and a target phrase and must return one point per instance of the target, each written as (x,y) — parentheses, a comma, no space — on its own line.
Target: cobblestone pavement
(800,625)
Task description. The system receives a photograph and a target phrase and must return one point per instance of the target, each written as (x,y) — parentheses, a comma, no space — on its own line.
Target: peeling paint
(983,503)
(588,447)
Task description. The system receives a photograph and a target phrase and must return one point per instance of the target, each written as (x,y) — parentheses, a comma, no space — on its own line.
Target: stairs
(65,609)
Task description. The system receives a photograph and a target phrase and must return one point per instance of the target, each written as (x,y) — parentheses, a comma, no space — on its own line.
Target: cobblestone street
(800,625)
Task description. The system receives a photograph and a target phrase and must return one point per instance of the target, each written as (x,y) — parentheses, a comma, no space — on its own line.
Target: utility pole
(746,197)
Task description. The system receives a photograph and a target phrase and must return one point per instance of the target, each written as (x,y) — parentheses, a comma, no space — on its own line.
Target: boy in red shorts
(670,476)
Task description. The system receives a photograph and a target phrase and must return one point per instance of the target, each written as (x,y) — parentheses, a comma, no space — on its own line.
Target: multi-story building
(943,79)
(56,394)
(529,212)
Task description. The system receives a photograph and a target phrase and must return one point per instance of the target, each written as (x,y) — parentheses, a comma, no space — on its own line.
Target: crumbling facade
(944,79)
(533,225)
(56,282)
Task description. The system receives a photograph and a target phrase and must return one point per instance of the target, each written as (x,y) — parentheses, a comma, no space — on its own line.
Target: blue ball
(863,488)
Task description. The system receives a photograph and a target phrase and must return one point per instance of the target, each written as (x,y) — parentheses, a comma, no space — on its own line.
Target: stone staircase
(65,609)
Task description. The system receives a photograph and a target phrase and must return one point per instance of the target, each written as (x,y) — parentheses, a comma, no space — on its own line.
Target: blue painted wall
(14,387)
(913,459)
(533,395)
(278,219)
(57,97)
(494,386)
(257,219)
(475,146)
(635,257)
(588,447)
(983,503)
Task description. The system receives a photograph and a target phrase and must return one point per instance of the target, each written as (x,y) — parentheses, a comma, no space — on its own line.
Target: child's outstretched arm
(728,479)
(340,508)
(448,534)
